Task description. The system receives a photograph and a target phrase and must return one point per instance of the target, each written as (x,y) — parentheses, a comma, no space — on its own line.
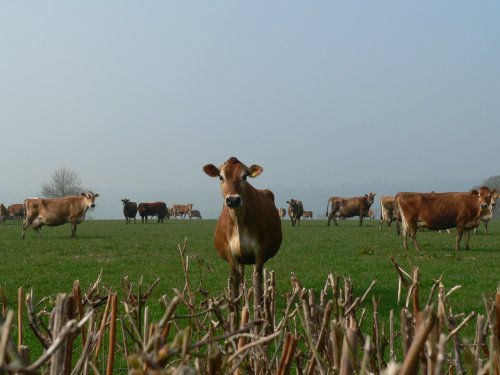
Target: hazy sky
(140,95)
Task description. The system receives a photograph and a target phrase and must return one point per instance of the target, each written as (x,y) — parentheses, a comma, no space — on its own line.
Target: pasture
(149,251)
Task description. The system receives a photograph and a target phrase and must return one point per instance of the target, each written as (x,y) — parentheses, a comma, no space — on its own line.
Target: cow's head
(484,195)
(370,197)
(233,175)
(125,201)
(494,197)
(292,206)
(89,199)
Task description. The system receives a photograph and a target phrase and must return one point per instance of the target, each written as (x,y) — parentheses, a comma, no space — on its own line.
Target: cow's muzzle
(484,206)
(233,201)
(92,205)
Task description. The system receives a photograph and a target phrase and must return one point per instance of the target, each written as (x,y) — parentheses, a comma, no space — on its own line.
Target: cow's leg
(381,221)
(361,220)
(467,237)
(413,235)
(73,230)
(26,224)
(458,237)
(486,226)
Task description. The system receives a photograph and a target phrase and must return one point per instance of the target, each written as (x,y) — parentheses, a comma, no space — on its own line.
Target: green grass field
(50,264)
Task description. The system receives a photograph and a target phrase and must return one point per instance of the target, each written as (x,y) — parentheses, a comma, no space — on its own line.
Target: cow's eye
(244,178)
(221,178)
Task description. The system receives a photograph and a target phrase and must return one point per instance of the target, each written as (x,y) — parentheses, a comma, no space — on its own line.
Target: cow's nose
(483,205)
(233,201)
(92,205)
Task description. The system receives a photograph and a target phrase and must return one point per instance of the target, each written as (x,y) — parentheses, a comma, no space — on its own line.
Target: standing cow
(182,210)
(282,212)
(3,213)
(437,211)
(387,210)
(16,211)
(195,213)
(129,210)
(57,211)
(349,207)
(308,215)
(158,209)
(249,228)
(489,212)
(295,211)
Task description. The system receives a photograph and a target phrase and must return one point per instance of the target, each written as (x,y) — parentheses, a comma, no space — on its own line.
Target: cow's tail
(327,206)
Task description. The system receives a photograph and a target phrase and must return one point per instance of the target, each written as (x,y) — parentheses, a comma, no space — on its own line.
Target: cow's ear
(255,170)
(83,195)
(211,170)
(474,192)
(96,195)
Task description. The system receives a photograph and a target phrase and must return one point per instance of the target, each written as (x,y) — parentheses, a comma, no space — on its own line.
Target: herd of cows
(249,228)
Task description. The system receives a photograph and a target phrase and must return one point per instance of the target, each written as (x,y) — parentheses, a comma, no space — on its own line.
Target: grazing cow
(182,209)
(387,212)
(437,211)
(57,211)
(195,213)
(295,211)
(249,228)
(282,212)
(158,209)
(16,211)
(308,215)
(489,212)
(129,210)
(349,207)
(3,213)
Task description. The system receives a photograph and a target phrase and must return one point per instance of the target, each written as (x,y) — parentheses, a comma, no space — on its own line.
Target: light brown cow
(437,211)
(489,212)
(249,228)
(3,213)
(182,210)
(387,213)
(57,211)
(349,207)
(282,212)
(308,215)
(16,211)
(195,213)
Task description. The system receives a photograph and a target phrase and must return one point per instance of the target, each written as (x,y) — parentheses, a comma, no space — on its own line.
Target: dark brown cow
(437,211)
(195,213)
(16,211)
(158,209)
(295,211)
(308,215)
(3,213)
(349,207)
(249,228)
(387,213)
(57,211)
(129,210)
(182,210)
(489,212)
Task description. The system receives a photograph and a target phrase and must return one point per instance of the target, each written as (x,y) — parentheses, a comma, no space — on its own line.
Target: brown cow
(195,213)
(16,211)
(3,213)
(57,211)
(295,211)
(437,211)
(349,207)
(129,210)
(249,228)
(489,212)
(308,215)
(387,213)
(181,210)
(158,209)
(282,212)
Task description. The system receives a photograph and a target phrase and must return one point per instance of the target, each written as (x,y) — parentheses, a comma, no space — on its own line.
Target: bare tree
(63,182)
